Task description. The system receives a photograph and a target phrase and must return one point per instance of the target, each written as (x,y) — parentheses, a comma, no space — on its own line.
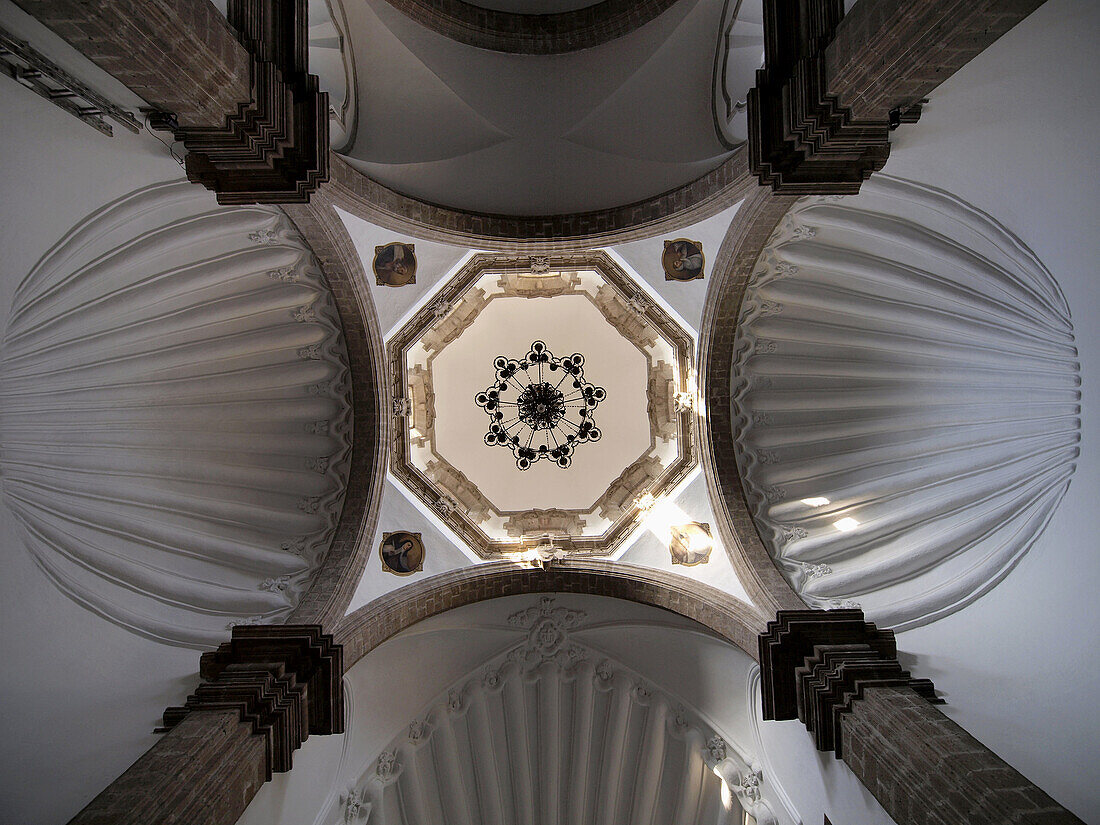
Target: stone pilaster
(926,770)
(840,676)
(262,694)
(238,95)
(833,86)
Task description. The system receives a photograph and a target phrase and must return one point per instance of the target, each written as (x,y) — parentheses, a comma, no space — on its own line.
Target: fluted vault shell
(573,741)
(905,357)
(176,424)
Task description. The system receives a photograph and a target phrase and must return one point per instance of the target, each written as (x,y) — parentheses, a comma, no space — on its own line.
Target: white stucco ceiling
(568,324)
(521,134)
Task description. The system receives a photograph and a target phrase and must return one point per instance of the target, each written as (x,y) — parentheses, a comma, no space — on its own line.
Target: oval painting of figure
(682,260)
(690,544)
(395,264)
(402,553)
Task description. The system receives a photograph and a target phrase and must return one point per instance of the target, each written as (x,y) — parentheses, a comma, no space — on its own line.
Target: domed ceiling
(531,134)
(624,368)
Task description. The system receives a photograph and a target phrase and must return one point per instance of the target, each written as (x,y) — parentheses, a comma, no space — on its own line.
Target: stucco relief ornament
(445,506)
(263,237)
(716,748)
(547,637)
(276,584)
(251,620)
(355,807)
(417,730)
(541,407)
(387,763)
(540,264)
(749,788)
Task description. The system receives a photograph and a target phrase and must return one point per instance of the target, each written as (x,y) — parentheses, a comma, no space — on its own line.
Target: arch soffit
(374,623)
(357,194)
(744,241)
(334,584)
(502,31)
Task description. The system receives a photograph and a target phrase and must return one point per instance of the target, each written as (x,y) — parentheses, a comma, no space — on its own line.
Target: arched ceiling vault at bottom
(552,736)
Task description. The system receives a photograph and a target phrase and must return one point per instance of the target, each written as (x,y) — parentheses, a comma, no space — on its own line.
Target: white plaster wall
(440,551)
(1012,133)
(81,696)
(685,297)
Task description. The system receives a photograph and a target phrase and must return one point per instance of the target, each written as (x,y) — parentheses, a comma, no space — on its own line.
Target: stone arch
(706,196)
(371,625)
(335,581)
(752,226)
(502,31)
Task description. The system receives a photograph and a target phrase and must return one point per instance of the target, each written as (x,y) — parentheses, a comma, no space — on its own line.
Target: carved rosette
(274,149)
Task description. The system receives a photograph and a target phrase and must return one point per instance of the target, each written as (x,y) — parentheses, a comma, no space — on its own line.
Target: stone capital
(815,663)
(285,680)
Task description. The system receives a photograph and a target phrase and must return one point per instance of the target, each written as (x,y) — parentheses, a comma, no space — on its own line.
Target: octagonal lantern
(539,345)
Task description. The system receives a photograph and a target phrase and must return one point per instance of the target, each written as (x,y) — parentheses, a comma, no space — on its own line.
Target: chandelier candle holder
(541,407)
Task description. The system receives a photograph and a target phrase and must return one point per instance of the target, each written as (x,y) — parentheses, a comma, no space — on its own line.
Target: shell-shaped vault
(176,425)
(906,401)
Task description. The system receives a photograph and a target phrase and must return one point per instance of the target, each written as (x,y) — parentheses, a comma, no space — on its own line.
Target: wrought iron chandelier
(532,414)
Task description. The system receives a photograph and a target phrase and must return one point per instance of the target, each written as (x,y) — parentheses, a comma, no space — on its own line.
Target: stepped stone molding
(237,95)
(275,147)
(801,141)
(903,361)
(552,730)
(261,695)
(840,676)
(286,681)
(834,84)
(814,664)
(502,31)
(176,426)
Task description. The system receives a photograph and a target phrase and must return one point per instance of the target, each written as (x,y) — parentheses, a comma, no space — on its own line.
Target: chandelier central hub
(541,407)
